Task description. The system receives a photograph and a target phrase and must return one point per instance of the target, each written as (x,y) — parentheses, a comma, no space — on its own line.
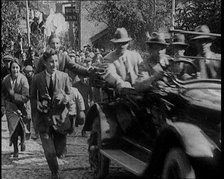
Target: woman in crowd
(15,95)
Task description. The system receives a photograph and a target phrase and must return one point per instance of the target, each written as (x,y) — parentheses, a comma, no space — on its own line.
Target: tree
(10,23)
(191,13)
(12,13)
(135,15)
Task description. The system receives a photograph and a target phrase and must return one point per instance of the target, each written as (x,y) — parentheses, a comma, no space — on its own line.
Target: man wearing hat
(208,68)
(123,64)
(179,46)
(6,65)
(157,60)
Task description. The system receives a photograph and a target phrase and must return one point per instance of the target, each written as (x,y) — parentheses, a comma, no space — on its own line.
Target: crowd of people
(53,90)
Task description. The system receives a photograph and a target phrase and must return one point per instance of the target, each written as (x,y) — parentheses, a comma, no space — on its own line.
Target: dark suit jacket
(39,88)
(65,62)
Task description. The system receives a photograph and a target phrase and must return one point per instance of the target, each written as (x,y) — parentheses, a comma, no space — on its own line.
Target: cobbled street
(31,163)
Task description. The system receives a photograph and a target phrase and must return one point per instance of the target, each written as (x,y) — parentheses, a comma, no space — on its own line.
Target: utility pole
(154,15)
(27,23)
(173,15)
(71,34)
(79,25)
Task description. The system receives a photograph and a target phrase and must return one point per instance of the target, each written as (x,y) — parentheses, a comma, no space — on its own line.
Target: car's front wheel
(177,165)
(98,162)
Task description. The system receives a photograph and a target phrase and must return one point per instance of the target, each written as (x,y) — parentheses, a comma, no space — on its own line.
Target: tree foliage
(10,23)
(191,13)
(12,13)
(137,16)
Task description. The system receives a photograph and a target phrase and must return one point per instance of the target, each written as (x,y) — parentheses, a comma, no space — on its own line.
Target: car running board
(129,162)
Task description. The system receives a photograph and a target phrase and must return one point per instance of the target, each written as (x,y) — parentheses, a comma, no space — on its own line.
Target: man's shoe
(16,154)
(70,130)
(55,176)
(61,156)
(84,134)
(35,137)
(23,147)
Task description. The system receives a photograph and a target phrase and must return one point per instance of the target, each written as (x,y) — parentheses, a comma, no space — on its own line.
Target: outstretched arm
(75,67)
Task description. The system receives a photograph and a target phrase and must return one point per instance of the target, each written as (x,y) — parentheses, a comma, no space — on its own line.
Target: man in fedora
(157,60)
(208,68)
(123,65)
(179,46)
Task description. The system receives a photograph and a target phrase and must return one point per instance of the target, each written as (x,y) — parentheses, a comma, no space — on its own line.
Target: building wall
(89,29)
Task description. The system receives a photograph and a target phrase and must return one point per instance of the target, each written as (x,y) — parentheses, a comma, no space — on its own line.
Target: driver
(157,60)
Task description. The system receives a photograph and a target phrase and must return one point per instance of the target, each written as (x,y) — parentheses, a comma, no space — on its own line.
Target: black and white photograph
(111,89)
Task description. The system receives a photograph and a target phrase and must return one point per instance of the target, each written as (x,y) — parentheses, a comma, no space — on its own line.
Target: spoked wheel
(98,162)
(177,166)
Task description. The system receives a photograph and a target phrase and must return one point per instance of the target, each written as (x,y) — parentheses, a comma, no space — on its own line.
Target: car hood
(203,94)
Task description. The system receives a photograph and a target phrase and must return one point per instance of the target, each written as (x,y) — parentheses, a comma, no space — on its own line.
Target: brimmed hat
(86,45)
(7,58)
(204,29)
(121,35)
(88,59)
(157,38)
(28,68)
(72,55)
(179,39)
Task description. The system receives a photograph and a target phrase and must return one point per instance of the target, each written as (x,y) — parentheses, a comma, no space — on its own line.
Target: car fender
(108,125)
(196,143)
(188,137)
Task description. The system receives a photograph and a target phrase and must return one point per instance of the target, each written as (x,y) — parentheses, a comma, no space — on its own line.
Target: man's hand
(65,99)
(164,61)
(62,98)
(81,117)
(93,71)
(11,93)
(39,106)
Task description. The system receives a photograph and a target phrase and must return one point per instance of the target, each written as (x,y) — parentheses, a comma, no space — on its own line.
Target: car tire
(177,165)
(98,162)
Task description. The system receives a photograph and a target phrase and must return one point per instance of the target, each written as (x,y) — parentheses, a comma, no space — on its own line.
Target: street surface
(31,163)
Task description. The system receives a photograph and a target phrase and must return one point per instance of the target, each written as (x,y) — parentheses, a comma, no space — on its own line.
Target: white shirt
(48,76)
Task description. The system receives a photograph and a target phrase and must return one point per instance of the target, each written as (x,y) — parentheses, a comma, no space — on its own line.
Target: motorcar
(172,130)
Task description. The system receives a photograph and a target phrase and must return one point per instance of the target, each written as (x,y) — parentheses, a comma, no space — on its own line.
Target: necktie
(51,87)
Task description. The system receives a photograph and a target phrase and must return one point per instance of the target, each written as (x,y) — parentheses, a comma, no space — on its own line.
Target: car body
(170,131)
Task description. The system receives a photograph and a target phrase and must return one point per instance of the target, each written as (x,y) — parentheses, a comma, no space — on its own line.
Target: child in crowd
(77,108)
(85,91)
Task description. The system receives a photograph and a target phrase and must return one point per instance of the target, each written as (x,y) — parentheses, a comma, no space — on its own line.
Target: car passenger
(179,46)
(123,65)
(208,68)
(155,63)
